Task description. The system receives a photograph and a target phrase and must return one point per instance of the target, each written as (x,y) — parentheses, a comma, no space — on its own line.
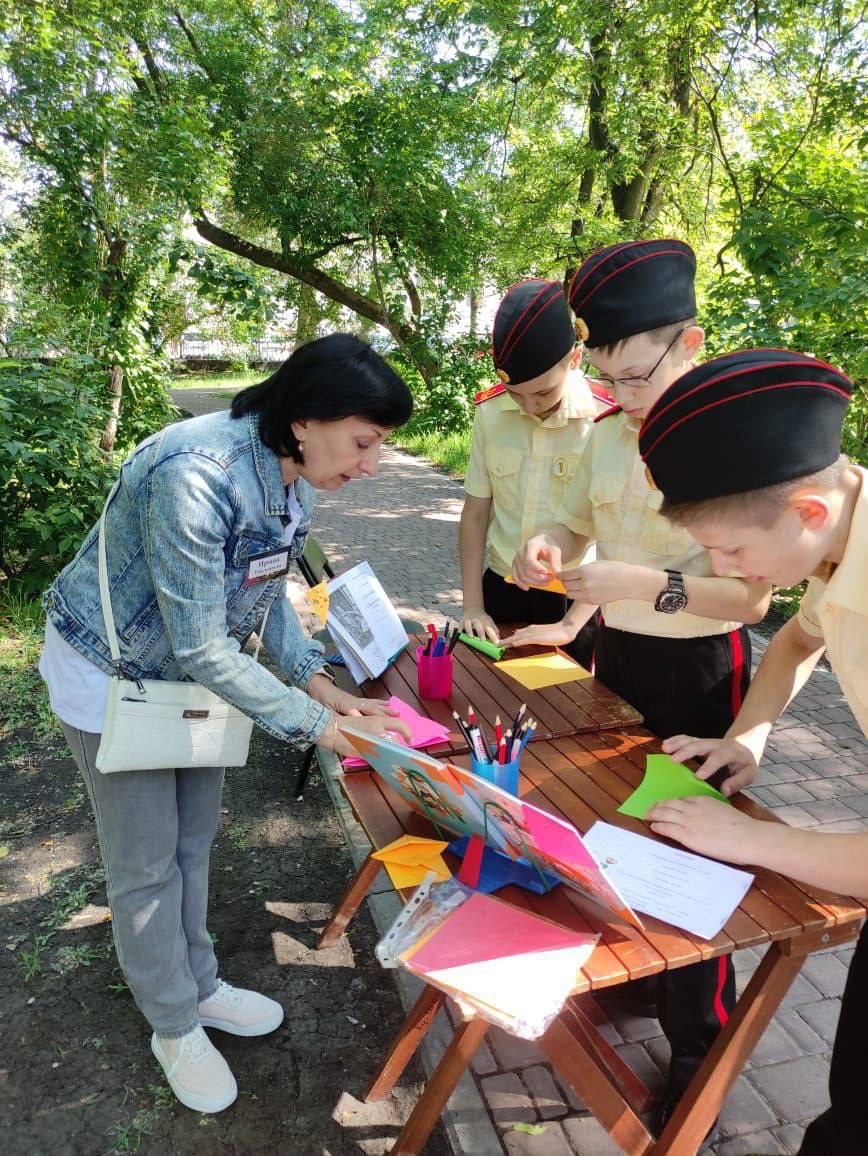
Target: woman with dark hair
(200,531)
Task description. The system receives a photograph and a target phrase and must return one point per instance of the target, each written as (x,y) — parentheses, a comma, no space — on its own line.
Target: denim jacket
(194,502)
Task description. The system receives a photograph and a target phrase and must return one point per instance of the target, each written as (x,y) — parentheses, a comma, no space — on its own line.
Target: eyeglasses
(638,380)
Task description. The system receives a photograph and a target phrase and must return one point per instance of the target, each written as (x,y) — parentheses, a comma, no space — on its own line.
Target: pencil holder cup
(503,775)
(434,674)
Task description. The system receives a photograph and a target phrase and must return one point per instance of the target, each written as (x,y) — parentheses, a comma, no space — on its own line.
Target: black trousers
(508,603)
(691,686)
(841,1129)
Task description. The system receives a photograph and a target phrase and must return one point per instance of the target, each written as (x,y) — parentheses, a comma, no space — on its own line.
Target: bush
(446,406)
(53,476)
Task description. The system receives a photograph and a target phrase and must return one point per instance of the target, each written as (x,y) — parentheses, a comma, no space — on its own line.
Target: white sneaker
(197,1073)
(243,1013)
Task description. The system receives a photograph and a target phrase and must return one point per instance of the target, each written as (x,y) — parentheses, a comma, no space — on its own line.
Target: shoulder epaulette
(599,394)
(607,413)
(491,391)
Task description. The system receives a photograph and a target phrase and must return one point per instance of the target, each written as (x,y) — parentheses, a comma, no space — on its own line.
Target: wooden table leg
(574,1058)
(350,903)
(637,1095)
(468,1036)
(708,1089)
(408,1039)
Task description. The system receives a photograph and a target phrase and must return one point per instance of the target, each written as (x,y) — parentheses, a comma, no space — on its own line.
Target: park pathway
(815,776)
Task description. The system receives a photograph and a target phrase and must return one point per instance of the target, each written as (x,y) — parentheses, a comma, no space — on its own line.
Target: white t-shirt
(77,689)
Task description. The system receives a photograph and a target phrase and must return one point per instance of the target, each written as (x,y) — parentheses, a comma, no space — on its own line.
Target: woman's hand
(377,725)
(543,634)
(708,827)
(478,624)
(732,754)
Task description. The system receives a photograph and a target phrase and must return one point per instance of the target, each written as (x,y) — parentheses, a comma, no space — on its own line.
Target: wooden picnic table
(584,777)
(568,709)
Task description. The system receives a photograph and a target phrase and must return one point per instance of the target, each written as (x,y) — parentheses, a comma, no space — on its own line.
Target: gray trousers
(155,832)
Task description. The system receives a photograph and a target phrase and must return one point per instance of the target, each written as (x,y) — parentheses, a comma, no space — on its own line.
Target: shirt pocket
(660,536)
(504,471)
(607,501)
(562,474)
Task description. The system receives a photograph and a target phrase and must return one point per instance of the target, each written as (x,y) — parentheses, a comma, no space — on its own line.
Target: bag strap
(106,602)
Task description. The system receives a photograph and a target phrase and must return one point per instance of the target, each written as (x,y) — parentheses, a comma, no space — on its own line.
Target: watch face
(670,601)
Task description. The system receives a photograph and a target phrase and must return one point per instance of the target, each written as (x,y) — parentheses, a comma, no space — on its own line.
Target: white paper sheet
(363,622)
(684,889)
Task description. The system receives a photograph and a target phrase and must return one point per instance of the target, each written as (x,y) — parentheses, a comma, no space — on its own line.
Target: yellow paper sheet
(403,875)
(409,859)
(318,597)
(554,585)
(543,670)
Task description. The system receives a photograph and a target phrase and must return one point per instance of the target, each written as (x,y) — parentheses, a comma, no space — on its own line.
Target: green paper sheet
(665,779)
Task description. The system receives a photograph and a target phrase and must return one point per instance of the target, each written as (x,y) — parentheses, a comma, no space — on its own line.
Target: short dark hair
(325,380)
(755,507)
(661,336)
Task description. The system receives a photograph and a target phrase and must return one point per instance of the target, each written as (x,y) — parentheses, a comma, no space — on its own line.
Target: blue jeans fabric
(155,832)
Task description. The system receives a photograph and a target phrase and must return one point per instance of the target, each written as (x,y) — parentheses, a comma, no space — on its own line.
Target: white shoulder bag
(157,725)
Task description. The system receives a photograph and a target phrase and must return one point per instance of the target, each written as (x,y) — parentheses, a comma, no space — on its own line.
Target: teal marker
(485,647)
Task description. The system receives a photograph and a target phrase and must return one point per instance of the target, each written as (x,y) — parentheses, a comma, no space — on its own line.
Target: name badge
(266,565)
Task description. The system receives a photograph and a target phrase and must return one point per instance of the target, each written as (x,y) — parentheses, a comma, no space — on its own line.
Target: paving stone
(826,972)
(508,1100)
(830,788)
(768,797)
(843,826)
(632,1028)
(483,1061)
(775,1045)
(795,816)
(790,793)
(829,810)
(810,1044)
(551,1142)
(822,1017)
(588,1137)
(660,1052)
(644,1066)
(858,802)
(756,1144)
(790,1137)
(797,1089)
(745,1110)
(511,1052)
(546,1095)
(845,955)
(782,772)
(828,767)
(801,991)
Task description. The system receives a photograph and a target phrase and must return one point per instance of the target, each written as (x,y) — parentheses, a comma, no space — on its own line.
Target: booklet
(677,886)
(363,622)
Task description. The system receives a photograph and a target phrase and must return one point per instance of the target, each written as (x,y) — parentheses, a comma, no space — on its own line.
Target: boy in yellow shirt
(529,433)
(672,640)
(745,450)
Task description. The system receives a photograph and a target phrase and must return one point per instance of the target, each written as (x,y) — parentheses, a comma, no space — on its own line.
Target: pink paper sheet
(424,731)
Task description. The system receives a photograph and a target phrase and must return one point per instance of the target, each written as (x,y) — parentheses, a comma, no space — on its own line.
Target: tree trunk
(473,304)
(110,429)
(111,282)
(308,314)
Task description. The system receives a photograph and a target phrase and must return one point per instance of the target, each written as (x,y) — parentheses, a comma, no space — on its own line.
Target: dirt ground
(76,1071)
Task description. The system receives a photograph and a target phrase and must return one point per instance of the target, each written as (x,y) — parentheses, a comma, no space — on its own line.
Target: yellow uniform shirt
(524,465)
(612,502)
(837,611)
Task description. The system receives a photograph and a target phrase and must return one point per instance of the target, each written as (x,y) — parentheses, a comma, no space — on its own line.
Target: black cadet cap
(533,330)
(742,422)
(631,288)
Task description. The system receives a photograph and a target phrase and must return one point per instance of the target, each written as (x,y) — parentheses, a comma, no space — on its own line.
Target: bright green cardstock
(665,779)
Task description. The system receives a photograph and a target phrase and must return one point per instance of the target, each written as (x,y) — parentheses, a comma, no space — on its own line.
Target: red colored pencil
(501,751)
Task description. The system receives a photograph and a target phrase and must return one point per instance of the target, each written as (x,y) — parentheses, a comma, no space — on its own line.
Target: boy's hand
(536,562)
(741,762)
(479,624)
(599,582)
(708,827)
(547,634)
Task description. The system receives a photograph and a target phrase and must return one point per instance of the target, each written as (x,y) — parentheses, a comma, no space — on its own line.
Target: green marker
(485,647)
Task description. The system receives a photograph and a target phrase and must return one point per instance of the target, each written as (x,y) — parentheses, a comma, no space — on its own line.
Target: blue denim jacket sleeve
(188,520)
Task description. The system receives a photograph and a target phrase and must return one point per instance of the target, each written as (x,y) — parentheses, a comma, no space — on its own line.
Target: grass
(25,699)
(233,378)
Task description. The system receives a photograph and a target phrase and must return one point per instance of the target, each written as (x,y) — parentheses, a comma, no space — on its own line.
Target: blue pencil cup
(503,775)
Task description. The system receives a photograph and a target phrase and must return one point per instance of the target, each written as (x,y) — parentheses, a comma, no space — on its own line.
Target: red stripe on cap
(737,397)
(658,410)
(510,338)
(603,254)
(624,268)
(531,321)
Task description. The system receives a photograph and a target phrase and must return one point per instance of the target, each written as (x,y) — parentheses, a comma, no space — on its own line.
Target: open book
(363,622)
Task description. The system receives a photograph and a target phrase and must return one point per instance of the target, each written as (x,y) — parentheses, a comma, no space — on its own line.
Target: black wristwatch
(674,597)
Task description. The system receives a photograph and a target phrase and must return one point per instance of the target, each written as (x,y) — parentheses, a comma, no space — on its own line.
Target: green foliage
(446,404)
(53,476)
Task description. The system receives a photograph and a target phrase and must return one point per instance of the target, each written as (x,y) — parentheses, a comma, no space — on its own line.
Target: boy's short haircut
(754,507)
(662,335)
